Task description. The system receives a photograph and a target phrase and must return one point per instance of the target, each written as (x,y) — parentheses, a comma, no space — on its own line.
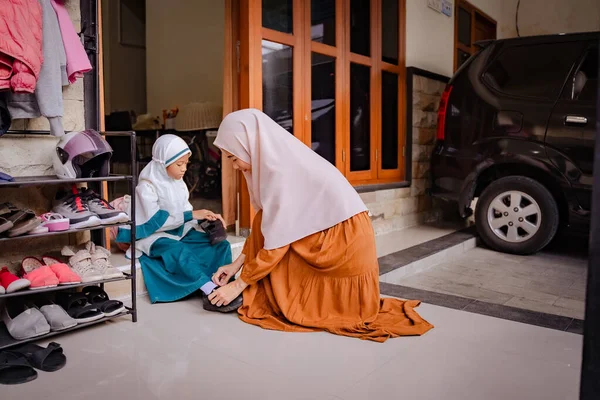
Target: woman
(310,263)
(177,258)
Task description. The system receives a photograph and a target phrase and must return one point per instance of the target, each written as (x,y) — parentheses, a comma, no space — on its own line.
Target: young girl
(310,262)
(177,258)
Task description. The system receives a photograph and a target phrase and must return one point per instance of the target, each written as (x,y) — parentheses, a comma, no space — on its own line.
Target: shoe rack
(6,340)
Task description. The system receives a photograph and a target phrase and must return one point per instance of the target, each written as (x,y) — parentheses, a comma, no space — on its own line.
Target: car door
(571,132)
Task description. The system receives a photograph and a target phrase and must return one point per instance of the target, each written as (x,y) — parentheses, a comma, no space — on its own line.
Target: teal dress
(176,259)
(174,269)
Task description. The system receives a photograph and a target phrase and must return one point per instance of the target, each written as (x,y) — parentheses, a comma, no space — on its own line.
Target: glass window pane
(389,31)
(322,16)
(389,120)
(323,106)
(278,15)
(360,27)
(360,117)
(533,70)
(278,83)
(464,26)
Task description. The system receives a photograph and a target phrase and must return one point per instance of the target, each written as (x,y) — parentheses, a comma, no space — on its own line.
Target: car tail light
(441,123)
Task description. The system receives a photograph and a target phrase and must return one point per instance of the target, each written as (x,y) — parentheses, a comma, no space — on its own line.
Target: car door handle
(575,120)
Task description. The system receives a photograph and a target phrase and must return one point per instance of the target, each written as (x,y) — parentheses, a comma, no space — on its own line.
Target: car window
(584,86)
(533,70)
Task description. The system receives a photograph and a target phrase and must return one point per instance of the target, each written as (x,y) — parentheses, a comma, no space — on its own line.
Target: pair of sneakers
(85,209)
(91,263)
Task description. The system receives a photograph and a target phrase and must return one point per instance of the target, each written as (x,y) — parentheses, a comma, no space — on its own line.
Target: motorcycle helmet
(82,155)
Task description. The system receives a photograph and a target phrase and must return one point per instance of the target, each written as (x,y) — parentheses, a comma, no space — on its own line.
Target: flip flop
(48,359)
(14,369)
(99,298)
(77,306)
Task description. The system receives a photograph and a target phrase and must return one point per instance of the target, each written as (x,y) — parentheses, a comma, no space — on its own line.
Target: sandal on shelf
(38,230)
(40,275)
(12,283)
(98,298)
(14,369)
(5,224)
(47,359)
(77,306)
(23,220)
(65,275)
(55,222)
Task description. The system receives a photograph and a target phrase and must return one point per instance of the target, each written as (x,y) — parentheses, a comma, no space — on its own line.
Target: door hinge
(237,55)
(343,155)
(376,155)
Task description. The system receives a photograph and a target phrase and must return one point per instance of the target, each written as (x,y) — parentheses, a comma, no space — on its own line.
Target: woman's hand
(226,294)
(207,214)
(225,273)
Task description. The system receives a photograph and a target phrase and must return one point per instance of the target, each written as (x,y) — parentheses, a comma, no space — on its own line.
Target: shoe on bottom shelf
(56,316)
(24,323)
(78,307)
(101,262)
(81,263)
(11,283)
(98,298)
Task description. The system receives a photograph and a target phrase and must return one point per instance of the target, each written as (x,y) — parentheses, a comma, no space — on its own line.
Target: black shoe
(215,230)
(231,307)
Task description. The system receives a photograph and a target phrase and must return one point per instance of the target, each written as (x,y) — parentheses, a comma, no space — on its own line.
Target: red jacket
(20,44)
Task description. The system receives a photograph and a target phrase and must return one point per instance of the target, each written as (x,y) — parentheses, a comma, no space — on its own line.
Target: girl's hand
(208,215)
(224,274)
(226,294)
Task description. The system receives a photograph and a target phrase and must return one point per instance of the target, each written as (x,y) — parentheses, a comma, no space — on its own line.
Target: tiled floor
(178,351)
(409,237)
(550,282)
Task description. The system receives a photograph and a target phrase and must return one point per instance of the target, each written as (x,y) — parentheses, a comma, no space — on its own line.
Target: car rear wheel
(516,215)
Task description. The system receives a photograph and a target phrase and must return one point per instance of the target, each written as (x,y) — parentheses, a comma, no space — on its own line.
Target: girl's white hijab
(299,192)
(173,195)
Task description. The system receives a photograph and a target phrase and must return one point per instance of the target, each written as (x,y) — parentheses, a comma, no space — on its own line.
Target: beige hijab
(299,192)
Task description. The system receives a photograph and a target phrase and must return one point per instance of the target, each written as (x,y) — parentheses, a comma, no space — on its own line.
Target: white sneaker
(81,263)
(102,264)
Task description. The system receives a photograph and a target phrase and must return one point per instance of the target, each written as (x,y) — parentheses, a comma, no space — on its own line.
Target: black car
(516,130)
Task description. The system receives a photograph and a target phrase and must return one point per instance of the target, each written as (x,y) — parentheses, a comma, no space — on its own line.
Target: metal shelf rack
(6,340)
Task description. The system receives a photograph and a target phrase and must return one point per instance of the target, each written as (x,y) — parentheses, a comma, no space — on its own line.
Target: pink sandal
(55,222)
(40,275)
(65,275)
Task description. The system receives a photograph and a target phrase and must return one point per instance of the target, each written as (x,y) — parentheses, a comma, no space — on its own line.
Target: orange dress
(328,281)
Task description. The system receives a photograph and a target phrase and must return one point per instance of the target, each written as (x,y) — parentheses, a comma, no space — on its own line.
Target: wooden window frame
(475,12)
(250,94)
(303,47)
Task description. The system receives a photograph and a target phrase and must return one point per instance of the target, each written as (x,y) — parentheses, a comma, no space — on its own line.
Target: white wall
(430,35)
(184,52)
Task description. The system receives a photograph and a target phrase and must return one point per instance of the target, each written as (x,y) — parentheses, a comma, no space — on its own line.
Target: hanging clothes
(176,256)
(20,45)
(47,100)
(78,62)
